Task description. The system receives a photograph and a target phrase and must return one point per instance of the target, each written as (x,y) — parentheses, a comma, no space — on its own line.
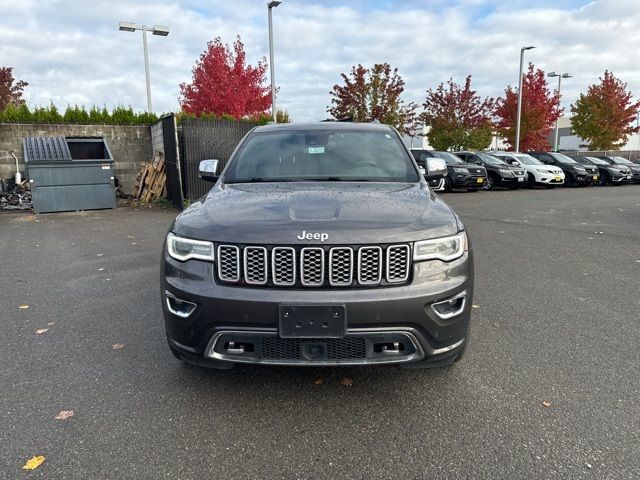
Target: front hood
(348,213)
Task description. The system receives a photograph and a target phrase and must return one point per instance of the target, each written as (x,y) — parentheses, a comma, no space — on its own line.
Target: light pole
(156,30)
(518,114)
(560,77)
(270,6)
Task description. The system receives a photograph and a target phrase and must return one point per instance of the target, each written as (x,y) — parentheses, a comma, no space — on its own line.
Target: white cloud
(71,52)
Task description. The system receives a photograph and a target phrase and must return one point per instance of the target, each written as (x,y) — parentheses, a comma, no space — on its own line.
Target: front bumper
(385,325)
(584,178)
(465,180)
(515,181)
(548,178)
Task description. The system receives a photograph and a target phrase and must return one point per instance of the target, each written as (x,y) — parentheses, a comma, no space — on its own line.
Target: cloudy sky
(71,52)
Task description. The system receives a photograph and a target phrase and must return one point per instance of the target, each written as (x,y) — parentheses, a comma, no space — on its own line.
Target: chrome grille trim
(228,260)
(340,276)
(369,258)
(283,266)
(255,265)
(312,266)
(396,272)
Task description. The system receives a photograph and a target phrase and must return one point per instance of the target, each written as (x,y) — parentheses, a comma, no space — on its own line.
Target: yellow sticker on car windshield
(316,150)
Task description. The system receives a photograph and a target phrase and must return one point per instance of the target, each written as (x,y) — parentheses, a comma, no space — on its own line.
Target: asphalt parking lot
(549,387)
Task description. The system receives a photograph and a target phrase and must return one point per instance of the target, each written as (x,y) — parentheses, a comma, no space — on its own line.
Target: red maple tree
(10,89)
(223,84)
(604,117)
(373,94)
(459,118)
(540,110)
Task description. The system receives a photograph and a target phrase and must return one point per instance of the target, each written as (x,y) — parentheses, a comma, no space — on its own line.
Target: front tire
(448,185)
(490,183)
(531,180)
(602,180)
(568,181)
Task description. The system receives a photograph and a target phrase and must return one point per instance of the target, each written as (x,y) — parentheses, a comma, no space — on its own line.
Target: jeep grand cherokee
(319,244)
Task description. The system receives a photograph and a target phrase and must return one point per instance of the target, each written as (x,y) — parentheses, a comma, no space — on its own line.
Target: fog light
(451,307)
(179,307)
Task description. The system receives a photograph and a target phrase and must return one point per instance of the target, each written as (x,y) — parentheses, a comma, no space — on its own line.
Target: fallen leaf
(347,382)
(33,462)
(23,307)
(100,269)
(64,414)
(318,381)
(599,233)
(50,323)
(42,330)
(546,403)
(475,306)
(98,254)
(117,346)
(133,243)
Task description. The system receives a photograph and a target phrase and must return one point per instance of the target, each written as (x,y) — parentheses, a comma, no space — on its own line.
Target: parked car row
(488,170)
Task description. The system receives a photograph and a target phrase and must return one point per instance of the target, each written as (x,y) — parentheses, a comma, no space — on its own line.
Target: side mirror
(208,170)
(436,168)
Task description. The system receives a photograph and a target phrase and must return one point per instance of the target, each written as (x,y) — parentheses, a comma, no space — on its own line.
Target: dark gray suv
(319,244)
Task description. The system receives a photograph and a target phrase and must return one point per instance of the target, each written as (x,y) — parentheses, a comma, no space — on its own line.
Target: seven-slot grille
(369,265)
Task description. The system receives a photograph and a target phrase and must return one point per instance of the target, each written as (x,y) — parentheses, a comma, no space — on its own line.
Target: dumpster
(69,173)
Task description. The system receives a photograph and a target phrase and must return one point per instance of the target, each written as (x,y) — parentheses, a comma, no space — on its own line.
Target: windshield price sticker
(313,150)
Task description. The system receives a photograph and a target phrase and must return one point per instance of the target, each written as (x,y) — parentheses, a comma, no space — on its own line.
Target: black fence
(205,139)
(172,160)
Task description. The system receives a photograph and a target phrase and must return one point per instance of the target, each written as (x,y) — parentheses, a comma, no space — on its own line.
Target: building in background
(567,140)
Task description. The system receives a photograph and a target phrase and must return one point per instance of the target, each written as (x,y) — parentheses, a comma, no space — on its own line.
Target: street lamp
(270,6)
(560,77)
(156,30)
(520,98)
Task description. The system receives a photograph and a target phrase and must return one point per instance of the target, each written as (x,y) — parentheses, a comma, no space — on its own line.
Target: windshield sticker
(387,135)
(313,150)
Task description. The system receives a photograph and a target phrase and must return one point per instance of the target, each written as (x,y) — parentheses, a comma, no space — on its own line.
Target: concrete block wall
(130,145)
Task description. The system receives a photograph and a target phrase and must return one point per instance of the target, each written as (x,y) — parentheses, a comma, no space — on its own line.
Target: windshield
(597,161)
(622,160)
(527,159)
(331,154)
(490,159)
(449,158)
(562,158)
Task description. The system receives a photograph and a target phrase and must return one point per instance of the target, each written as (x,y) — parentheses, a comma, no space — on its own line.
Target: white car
(538,173)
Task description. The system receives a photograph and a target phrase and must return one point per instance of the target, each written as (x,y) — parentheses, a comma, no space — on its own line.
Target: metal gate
(202,139)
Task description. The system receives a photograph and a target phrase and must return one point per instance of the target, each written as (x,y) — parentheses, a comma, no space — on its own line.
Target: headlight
(505,172)
(460,170)
(580,170)
(445,249)
(184,249)
(541,170)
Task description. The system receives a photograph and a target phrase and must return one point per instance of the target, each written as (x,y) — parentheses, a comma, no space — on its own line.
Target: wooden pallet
(151,181)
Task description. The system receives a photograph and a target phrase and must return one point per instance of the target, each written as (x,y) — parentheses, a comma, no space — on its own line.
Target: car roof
(367,127)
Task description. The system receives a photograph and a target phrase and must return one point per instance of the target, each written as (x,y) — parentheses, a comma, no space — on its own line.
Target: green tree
(282,116)
(604,116)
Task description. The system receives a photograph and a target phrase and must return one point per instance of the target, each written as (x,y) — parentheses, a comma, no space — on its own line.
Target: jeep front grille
(366,266)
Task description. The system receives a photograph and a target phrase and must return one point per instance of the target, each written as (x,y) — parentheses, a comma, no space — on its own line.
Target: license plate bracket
(312,321)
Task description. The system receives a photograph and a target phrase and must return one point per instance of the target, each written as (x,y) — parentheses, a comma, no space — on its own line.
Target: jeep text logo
(313,236)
